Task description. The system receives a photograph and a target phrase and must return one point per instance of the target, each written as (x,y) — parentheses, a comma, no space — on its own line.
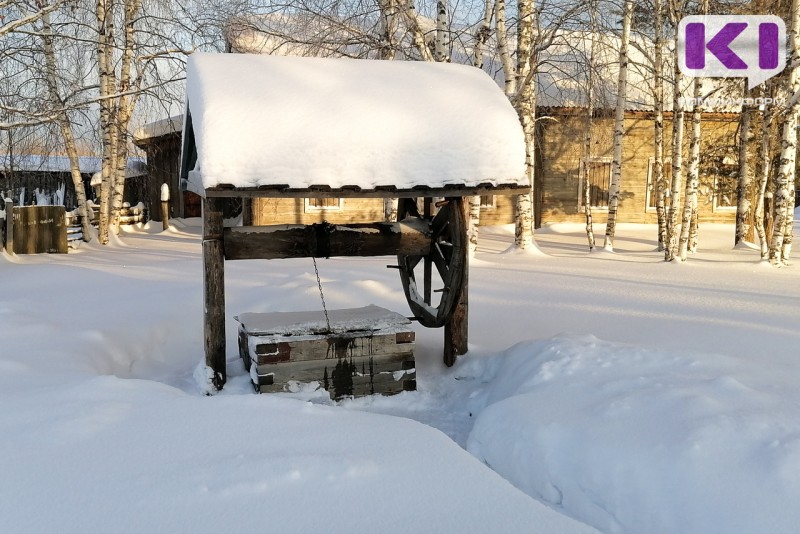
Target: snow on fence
(128,215)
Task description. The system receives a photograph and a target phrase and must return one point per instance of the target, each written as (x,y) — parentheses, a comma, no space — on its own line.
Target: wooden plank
(356,376)
(285,192)
(39,230)
(456,330)
(214,290)
(328,347)
(409,237)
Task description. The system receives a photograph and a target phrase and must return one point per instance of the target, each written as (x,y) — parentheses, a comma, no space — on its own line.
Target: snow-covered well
(266,120)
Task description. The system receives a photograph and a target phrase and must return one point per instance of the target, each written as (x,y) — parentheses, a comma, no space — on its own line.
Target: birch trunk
(763,177)
(510,86)
(482,35)
(481,38)
(105,26)
(677,169)
(660,186)
(124,109)
(525,104)
(587,139)
(65,125)
(442,40)
(619,128)
(781,244)
(388,21)
(417,37)
(692,175)
(474,218)
(387,51)
(744,209)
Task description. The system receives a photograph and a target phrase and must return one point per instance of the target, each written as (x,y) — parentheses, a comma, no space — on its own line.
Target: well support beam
(214,290)
(456,330)
(324,240)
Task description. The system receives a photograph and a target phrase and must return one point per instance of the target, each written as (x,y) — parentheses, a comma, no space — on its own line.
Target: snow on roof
(269,120)
(171,125)
(563,74)
(88,164)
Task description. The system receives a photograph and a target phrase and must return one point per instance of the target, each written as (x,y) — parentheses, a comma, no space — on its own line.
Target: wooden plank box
(367,350)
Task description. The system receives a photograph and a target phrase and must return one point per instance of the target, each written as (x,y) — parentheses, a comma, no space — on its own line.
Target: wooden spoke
(448,239)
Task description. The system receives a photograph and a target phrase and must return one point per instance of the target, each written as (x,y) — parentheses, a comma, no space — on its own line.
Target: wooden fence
(128,215)
(35,229)
(49,229)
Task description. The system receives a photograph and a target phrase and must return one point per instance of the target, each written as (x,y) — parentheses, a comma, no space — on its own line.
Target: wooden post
(164,206)
(214,290)
(456,330)
(10,226)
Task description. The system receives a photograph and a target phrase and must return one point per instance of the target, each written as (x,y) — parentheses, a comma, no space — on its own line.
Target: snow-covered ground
(632,395)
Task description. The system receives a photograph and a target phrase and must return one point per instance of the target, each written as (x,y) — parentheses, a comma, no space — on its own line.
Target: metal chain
(321,296)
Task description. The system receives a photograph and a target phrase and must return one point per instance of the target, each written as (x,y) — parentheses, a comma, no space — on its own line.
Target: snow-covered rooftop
(269,120)
(563,75)
(88,164)
(170,125)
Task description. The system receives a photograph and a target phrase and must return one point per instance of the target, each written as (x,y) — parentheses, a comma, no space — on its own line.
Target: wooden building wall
(163,167)
(295,211)
(562,152)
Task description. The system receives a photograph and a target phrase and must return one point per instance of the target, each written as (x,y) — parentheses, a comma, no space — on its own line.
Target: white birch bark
(763,177)
(387,51)
(677,168)
(692,174)
(781,243)
(619,128)
(587,139)
(744,210)
(525,104)
(65,126)
(660,186)
(474,218)
(105,26)
(509,73)
(417,37)
(442,35)
(481,37)
(388,29)
(482,34)
(124,108)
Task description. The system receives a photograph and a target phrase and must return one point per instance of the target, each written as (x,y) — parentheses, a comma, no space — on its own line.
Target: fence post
(10,226)
(164,206)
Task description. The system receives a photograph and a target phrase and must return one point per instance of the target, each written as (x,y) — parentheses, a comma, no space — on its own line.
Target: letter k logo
(732,46)
(719,45)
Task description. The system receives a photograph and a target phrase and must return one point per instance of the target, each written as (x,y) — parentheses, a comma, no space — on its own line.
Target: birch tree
(525,104)
(65,124)
(482,35)
(765,152)
(520,87)
(619,127)
(692,175)
(675,14)
(589,124)
(744,212)
(660,187)
(781,243)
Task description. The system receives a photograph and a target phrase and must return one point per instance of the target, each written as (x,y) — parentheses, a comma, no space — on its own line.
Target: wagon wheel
(447,255)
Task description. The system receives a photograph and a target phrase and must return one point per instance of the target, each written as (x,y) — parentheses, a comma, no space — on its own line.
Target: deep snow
(670,406)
